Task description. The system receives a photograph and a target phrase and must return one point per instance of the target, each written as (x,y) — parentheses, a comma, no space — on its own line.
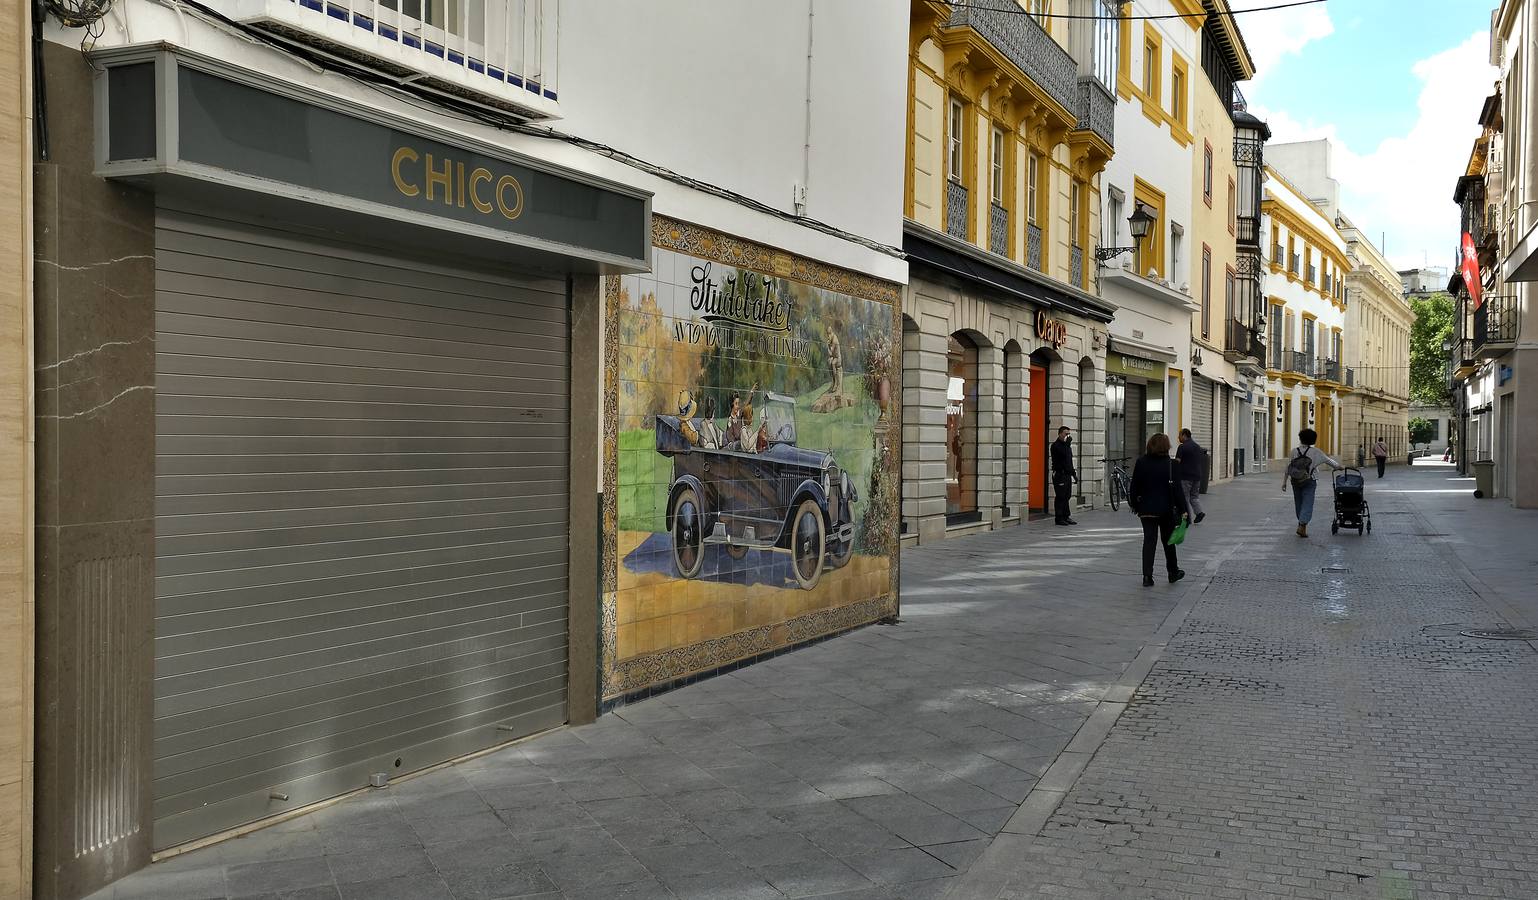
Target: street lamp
(1139,223)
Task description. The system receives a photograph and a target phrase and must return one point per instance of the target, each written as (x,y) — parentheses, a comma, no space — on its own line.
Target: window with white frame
(1076,213)
(1107,43)
(1033,188)
(998,166)
(956,162)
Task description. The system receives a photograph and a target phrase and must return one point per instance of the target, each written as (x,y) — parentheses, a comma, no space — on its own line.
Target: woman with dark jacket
(1158,501)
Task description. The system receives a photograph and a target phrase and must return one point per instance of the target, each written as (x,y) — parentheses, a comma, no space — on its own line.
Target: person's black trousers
(1382,464)
(1156,532)
(1064,487)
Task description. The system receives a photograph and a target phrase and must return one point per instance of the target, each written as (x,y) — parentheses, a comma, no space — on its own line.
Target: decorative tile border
(620,677)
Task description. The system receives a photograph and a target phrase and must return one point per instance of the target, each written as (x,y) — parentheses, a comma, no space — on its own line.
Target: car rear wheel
(688,533)
(808,541)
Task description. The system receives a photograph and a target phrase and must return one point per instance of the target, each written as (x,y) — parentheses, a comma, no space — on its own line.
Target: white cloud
(1404,186)
(1274,34)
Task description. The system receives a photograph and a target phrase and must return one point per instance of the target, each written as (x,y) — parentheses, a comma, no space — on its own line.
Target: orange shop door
(1037,495)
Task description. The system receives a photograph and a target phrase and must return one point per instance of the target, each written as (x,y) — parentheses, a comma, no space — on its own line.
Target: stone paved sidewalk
(875,765)
(1319,727)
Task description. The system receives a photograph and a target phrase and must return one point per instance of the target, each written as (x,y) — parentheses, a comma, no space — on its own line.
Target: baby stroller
(1350,502)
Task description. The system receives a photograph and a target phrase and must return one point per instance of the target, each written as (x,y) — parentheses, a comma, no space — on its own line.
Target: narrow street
(1304,720)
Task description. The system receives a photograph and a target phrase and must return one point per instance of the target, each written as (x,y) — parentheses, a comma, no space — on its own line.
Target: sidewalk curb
(990,874)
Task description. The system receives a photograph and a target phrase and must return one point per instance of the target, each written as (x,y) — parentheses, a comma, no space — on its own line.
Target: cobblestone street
(1318,727)
(1298,718)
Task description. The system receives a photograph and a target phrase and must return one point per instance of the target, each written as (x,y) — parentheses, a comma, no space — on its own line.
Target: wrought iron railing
(1495,322)
(1278,256)
(958,208)
(1076,262)
(1033,247)
(1097,109)
(998,229)
(1278,358)
(1327,369)
(1350,377)
(1298,361)
(1244,341)
(1294,263)
(1313,272)
(1023,41)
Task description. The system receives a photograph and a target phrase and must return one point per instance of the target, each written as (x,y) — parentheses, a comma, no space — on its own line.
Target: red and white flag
(1468,267)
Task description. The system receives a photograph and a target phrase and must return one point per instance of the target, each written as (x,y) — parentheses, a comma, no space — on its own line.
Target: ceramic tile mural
(752,469)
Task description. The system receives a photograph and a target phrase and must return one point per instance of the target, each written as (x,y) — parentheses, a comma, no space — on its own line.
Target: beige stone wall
(16,596)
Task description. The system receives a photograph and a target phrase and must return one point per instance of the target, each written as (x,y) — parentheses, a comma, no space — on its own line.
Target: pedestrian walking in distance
(1190,460)
(1300,474)
(1064,475)
(1380,453)
(1159,500)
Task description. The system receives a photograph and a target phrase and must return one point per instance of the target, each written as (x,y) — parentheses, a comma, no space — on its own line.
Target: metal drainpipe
(803,195)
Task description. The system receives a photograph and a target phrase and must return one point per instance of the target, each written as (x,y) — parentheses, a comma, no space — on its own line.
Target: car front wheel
(807,543)
(688,533)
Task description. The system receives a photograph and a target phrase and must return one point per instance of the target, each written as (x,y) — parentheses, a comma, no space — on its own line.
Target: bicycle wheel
(1116,492)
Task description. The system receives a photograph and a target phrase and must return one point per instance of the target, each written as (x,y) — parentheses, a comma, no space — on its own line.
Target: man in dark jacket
(1192,459)
(1064,475)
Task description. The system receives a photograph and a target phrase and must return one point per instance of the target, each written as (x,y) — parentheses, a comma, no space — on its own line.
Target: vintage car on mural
(780,498)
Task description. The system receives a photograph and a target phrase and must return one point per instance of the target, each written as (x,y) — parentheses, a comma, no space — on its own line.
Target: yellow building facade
(1011,122)
(1306,319)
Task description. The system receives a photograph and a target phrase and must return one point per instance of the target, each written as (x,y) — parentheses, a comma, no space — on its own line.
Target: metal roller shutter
(1223,461)
(1136,415)
(1201,412)
(361,518)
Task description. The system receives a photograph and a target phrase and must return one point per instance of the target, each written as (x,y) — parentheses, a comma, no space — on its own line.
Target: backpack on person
(1300,470)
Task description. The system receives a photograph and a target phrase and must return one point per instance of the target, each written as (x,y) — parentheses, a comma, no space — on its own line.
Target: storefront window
(1116,420)
(961,431)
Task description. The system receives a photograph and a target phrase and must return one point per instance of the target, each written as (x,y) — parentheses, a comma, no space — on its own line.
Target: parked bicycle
(1120,481)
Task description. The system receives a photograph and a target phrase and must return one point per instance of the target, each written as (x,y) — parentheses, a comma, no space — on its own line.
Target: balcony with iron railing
(1495,326)
(1033,251)
(1350,377)
(1243,343)
(998,229)
(1293,264)
(1076,264)
(498,53)
(1299,362)
(1313,272)
(1276,357)
(1097,109)
(958,208)
(1326,369)
(1022,40)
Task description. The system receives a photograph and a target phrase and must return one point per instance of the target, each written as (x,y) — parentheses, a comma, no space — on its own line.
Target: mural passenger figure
(687,409)
(710,433)
(739,425)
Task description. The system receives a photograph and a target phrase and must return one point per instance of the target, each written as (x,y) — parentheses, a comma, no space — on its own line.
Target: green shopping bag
(1178,536)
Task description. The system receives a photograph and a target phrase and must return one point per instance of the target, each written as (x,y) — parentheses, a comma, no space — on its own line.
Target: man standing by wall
(1064,475)
(1192,459)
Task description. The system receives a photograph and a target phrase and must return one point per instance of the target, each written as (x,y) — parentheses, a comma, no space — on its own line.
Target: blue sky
(1396,85)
